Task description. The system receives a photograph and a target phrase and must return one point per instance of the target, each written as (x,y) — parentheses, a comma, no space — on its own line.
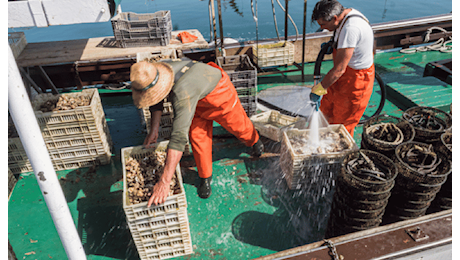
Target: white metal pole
(29,132)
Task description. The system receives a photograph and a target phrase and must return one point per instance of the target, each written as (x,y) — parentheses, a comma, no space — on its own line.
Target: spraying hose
(317,77)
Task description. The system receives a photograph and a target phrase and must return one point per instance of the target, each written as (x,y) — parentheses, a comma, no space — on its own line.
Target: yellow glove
(318,90)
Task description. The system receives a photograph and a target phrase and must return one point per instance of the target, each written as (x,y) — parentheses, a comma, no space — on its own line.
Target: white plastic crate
(17,42)
(161,231)
(137,30)
(74,138)
(271,124)
(166,118)
(298,168)
(274,54)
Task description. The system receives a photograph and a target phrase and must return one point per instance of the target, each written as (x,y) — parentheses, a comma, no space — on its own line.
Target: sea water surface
(237,17)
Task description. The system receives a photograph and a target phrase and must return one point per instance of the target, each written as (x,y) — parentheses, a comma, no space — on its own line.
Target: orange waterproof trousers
(223,106)
(348,97)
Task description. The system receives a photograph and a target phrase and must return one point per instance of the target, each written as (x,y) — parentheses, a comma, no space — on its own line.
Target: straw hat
(150,82)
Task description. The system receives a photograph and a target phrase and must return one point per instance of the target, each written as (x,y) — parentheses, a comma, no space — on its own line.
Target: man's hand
(316,94)
(154,127)
(161,189)
(151,138)
(159,194)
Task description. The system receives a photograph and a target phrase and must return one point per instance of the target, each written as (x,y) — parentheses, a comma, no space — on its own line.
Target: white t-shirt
(357,33)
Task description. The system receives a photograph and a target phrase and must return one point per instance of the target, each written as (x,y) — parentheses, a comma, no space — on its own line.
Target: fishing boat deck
(249,214)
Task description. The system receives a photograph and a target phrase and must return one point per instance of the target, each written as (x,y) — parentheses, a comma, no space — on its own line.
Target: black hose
(317,77)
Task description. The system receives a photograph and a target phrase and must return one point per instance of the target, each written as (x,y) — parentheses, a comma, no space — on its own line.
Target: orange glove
(186,37)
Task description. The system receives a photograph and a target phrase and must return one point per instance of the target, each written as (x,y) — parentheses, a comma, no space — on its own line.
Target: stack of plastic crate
(244,77)
(166,120)
(161,231)
(137,30)
(74,138)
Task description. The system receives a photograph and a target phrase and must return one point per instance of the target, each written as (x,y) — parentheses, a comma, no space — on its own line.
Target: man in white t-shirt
(347,87)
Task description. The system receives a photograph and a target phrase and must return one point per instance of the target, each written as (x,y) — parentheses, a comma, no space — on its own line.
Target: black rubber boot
(204,190)
(258,148)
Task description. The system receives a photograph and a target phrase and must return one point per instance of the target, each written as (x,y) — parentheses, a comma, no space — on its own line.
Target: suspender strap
(182,71)
(341,26)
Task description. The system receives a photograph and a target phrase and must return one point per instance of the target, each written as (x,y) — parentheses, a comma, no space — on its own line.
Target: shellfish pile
(330,142)
(64,103)
(143,174)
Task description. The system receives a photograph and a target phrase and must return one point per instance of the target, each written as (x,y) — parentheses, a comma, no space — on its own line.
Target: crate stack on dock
(161,231)
(243,75)
(76,137)
(138,30)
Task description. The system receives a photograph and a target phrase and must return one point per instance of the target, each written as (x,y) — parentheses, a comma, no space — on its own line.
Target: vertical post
(303,38)
(213,13)
(286,21)
(286,14)
(30,135)
(221,30)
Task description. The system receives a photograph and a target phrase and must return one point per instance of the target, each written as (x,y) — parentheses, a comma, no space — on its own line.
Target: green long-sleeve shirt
(193,85)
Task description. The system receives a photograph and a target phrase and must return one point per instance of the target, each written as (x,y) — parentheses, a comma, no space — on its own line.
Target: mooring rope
(439,45)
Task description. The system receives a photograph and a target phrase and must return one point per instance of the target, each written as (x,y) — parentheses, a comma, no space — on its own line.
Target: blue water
(238,22)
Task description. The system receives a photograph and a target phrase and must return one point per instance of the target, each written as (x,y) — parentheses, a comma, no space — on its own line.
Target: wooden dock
(94,49)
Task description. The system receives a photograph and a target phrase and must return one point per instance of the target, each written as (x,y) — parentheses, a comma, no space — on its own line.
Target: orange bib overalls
(223,106)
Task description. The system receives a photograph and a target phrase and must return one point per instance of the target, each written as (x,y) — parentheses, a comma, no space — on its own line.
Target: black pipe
(317,77)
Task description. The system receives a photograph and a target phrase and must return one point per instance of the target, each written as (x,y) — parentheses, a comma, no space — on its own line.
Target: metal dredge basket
(361,204)
(445,145)
(429,123)
(380,178)
(379,136)
(410,176)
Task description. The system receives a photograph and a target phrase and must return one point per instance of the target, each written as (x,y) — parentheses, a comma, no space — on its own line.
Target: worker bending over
(347,87)
(200,94)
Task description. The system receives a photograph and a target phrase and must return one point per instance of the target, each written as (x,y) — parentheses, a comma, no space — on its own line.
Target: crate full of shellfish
(301,162)
(160,231)
(73,127)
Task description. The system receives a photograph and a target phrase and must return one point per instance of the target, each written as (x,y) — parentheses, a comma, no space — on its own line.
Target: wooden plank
(93,49)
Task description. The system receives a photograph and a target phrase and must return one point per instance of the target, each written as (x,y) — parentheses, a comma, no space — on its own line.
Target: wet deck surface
(250,213)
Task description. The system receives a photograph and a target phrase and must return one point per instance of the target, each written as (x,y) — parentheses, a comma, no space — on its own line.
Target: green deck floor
(248,214)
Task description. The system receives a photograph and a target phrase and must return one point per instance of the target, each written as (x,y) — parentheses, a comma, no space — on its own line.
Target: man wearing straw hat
(200,94)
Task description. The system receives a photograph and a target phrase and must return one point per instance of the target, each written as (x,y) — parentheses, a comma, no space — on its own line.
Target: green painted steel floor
(250,212)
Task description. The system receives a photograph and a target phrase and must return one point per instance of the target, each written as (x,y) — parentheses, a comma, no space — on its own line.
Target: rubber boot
(204,190)
(258,148)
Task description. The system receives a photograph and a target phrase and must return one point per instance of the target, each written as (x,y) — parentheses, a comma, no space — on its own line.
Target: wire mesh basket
(429,123)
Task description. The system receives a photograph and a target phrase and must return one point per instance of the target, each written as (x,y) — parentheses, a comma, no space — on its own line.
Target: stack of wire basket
(74,138)
(243,75)
(415,190)
(443,198)
(138,30)
(361,197)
